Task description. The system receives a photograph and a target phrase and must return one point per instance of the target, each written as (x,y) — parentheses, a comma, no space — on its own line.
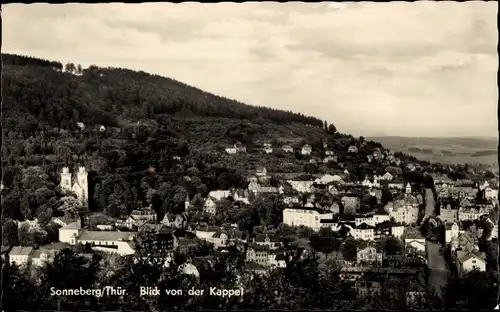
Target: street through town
(438,272)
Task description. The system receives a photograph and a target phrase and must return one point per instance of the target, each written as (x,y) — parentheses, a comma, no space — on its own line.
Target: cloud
(371,68)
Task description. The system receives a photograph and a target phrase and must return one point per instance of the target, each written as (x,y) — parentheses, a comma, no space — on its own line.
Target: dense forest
(48,96)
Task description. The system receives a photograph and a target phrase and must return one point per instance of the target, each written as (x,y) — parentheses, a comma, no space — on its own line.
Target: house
(352,149)
(272,241)
(360,219)
(333,190)
(369,256)
(237,148)
(351,203)
(80,125)
(80,186)
(369,158)
(268,150)
(309,217)
(380,216)
(301,186)
(367,183)
(397,230)
(329,153)
(277,258)
(468,261)
(448,215)
(404,211)
(257,254)
(20,255)
(205,232)
(62,221)
(408,189)
(223,237)
(290,200)
(472,213)
(329,159)
(327,179)
(367,286)
(364,232)
(382,230)
(146,214)
(102,128)
(465,241)
(175,221)
(490,193)
(387,177)
(287,149)
(41,256)
(210,206)
(261,172)
(306,149)
(256,188)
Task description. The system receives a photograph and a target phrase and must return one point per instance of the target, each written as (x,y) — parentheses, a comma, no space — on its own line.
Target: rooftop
(106,235)
(20,251)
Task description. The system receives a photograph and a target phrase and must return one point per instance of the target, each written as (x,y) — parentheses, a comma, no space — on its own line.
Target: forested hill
(39,93)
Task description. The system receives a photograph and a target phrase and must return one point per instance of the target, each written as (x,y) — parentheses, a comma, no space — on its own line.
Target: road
(438,271)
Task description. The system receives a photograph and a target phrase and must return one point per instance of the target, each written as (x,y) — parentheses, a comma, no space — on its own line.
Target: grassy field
(446,150)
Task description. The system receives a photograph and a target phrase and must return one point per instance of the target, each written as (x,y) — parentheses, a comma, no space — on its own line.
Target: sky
(373,69)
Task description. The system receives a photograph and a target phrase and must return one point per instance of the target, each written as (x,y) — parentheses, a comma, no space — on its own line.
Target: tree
(71,207)
(69,271)
(391,246)
(332,129)
(386,196)
(18,293)
(10,233)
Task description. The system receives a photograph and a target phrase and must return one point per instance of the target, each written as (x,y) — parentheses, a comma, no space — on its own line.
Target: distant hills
(455,150)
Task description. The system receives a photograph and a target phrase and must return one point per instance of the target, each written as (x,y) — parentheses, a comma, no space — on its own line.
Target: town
(364,229)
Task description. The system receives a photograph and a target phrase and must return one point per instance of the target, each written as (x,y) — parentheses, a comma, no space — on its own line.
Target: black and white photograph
(250,156)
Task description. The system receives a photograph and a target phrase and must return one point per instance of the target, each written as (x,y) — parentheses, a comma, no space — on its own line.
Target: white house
(366,182)
(369,256)
(287,149)
(301,186)
(397,231)
(327,179)
(268,150)
(490,193)
(364,232)
(308,217)
(306,149)
(380,217)
(470,261)
(352,149)
(387,177)
(368,219)
(20,255)
(41,256)
(417,243)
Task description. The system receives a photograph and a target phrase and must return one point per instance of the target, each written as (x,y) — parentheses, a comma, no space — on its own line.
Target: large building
(309,217)
(121,243)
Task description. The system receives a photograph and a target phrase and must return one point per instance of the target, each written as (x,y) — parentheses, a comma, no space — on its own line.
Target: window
(474,261)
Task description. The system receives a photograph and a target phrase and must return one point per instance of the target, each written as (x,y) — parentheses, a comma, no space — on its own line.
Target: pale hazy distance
(373,69)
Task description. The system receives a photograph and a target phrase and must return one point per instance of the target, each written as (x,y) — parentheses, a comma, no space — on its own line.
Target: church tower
(82,178)
(66,179)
